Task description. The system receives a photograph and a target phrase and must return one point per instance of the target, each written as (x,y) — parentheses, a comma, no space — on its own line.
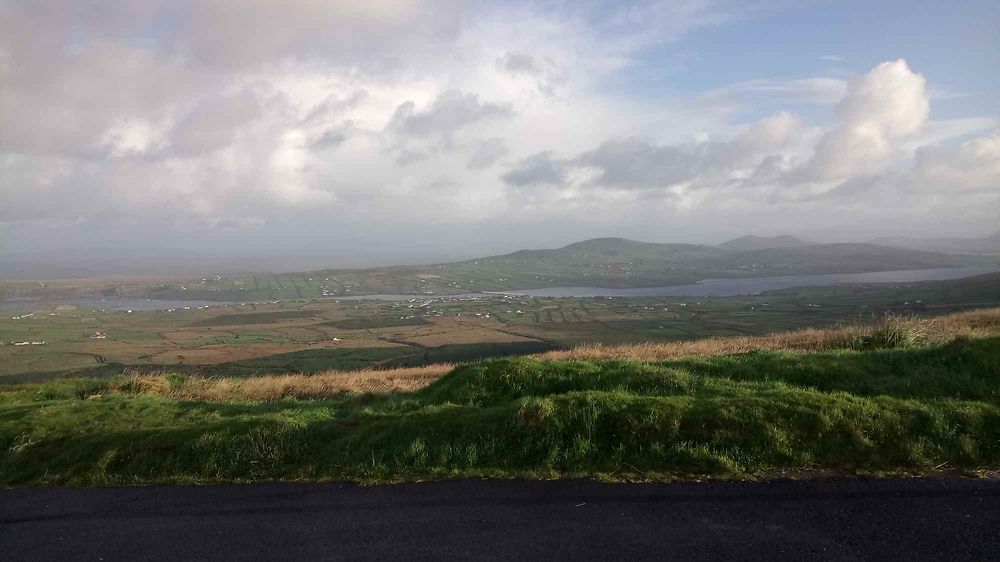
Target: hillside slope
(601,262)
(989,245)
(618,262)
(751,242)
(838,258)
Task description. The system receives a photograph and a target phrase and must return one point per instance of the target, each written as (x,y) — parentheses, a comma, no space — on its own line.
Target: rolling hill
(746,243)
(989,245)
(839,258)
(600,262)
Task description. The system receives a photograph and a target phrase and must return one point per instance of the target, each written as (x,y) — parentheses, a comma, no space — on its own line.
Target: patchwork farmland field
(309,335)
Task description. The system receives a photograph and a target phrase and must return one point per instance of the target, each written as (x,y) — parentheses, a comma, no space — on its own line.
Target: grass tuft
(891,332)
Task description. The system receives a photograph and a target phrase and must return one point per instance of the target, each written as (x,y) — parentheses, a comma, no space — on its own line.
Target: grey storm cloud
(334,106)
(537,169)
(638,164)
(213,123)
(542,71)
(518,63)
(330,139)
(450,111)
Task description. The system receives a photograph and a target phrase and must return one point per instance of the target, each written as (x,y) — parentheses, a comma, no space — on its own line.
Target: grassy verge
(897,405)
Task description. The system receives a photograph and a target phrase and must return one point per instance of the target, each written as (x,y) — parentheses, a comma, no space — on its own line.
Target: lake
(706,288)
(728,287)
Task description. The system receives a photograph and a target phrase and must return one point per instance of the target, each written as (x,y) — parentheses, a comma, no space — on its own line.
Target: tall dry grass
(889,332)
(276,387)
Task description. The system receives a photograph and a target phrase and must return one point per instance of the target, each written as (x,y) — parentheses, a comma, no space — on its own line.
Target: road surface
(836,519)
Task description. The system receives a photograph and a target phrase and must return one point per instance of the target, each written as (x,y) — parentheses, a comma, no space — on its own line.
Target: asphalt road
(843,519)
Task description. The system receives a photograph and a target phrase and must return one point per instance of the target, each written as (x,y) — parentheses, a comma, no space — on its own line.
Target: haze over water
(754,286)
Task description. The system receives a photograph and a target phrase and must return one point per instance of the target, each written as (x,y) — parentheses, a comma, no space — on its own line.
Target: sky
(148,135)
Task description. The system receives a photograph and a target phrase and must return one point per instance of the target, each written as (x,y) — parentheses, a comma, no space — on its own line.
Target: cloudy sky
(397,130)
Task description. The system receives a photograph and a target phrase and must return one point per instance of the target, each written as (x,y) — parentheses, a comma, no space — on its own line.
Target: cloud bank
(295,122)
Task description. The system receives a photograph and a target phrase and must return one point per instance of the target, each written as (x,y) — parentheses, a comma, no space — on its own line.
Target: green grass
(467,352)
(308,361)
(253,318)
(907,409)
(372,322)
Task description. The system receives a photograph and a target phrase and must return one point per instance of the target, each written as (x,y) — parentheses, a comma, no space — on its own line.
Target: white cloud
(878,149)
(881,109)
(974,166)
(802,90)
(165,113)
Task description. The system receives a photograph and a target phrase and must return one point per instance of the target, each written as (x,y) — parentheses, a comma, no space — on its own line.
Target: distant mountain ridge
(629,261)
(751,242)
(598,262)
(989,245)
(601,250)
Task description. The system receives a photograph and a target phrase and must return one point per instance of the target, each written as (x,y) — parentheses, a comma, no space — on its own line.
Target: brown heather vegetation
(890,332)
(276,387)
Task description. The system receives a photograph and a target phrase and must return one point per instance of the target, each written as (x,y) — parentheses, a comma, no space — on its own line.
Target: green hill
(839,258)
(986,245)
(600,262)
(617,262)
(751,242)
